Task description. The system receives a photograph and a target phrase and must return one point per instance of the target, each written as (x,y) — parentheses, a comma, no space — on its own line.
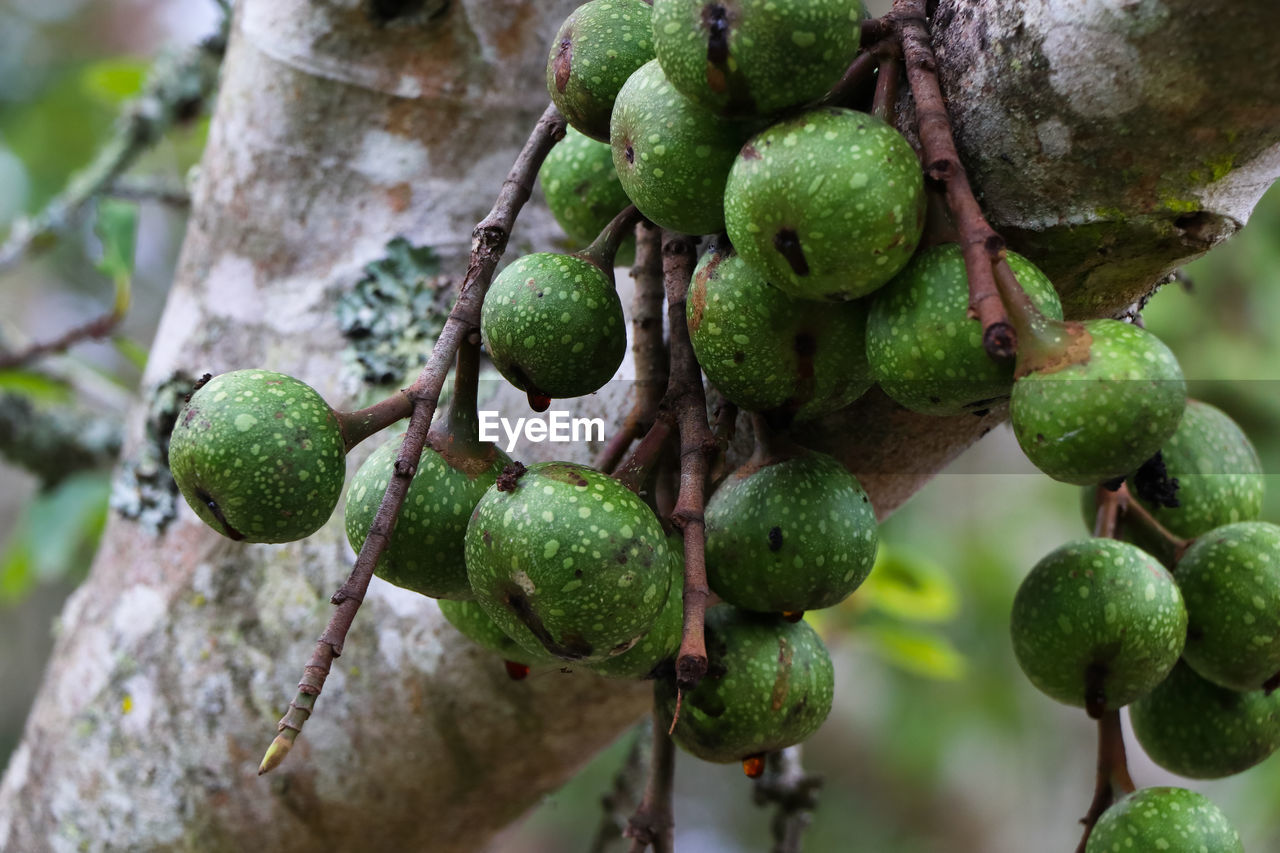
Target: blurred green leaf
(113,81)
(130,349)
(37,386)
(908,586)
(915,650)
(117,228)
(56,535)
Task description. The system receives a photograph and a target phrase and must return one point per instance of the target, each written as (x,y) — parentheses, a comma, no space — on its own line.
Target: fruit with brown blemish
(924,347)
(473,623)
(828,205)
(1230,578)
(553,324)
(583,191)
(791,534)
(567,560)
(1093,400)
(595,50)
(769,685)
(425,553)
(671,154)
(259,456)
(755,57)
(1170,820)
(769,352)
(655,652)
(1097,624)
(1197,729)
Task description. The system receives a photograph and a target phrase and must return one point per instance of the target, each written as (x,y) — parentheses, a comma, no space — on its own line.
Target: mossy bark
(341,125)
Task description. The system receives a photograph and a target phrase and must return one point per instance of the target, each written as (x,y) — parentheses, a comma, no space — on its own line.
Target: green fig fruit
(1168,820)
(828,205)
(791,535)
(923,347)
(597,48)
(657,649)
(583,191)
(259,456)
(1197,729)
(768,352)
(1097,624)
(568,560)
(474,624)
(769,685)
(1230,578)
(755,57)
(1100,417)
(1218,472)
(672,155)
(553,325)
(425,553)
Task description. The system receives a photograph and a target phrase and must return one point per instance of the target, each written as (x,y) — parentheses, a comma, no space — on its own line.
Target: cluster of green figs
(715,119)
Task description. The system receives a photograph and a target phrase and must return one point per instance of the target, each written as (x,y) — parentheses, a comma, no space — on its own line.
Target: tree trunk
(1113,141)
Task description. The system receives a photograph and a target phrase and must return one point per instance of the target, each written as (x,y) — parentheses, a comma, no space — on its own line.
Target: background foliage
(936,743)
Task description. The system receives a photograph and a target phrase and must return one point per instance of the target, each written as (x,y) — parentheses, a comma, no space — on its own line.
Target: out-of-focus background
(936,743)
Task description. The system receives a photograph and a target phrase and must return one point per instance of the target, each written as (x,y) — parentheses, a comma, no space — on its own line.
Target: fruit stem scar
(715,18)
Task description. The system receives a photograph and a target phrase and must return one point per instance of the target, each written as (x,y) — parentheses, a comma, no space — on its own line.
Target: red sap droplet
(516,671)
(753,766)
(793,615)
(539,402)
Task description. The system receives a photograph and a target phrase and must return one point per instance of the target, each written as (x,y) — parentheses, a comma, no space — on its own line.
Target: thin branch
(876,29)
(1135,512)
(981,245)
(139,188)
(358,425)
(1112,773)
(489,240)
(1110,504)
(99,327)
(884,104)
(697,448)
(625,793)
(795,793)
(646,346)
(177,88)
(653,825)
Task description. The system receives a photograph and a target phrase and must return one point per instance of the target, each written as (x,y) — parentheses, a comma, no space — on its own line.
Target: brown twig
(488,241)
(876,29)
(981,245)
(652,825)
(1133,511)
(884,104)
(358,425)
(625,792)
(99,327)
(1112,774)
(646,346)
(1110,505)
(854,86)
(697,447)
(795,793)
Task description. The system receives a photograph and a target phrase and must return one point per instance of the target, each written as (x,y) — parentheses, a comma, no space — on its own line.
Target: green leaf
(917,651)
(907,586)
(111,82)
(117,228)
(37,386)
(131,350)
(56,535)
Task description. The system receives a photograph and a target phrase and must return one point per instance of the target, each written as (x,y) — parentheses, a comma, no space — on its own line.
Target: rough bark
(1112,140)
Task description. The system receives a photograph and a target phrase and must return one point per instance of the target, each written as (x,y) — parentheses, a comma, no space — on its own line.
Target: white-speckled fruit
(259,456)
(828,205)
(1098,623)
(671,154)
(425,551)
(755,57)
(923,347)
(568,560)
(769,685)
(799,534)
(594,52)
(656,650)
(474,624)
(769,352)
(583,191)
(553,325)
(1230,578)
(1164,820)
(1197,729)
(1100,418)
